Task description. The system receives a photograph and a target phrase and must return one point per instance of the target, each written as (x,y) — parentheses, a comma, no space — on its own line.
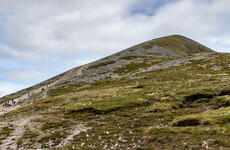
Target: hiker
(12,101)
(6,104)
(3,105)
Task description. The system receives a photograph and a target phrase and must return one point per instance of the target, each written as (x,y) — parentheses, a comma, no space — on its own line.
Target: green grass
(146,112)
(131,67)
(104,105)
(5,132)
(54,137)
(29,134)
(56,125)
(161,107)
(135,66)
(101,64)
(40,105)
(64,90)
(132,57)
(220,117)
(188,137)
(60,91)
(28,139)
(180,45)
(159,131)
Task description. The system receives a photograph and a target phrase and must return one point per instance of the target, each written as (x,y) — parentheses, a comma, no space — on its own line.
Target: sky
(42,38)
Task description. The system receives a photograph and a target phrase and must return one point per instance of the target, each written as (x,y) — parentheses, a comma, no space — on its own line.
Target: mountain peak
(168,46)
(181,45)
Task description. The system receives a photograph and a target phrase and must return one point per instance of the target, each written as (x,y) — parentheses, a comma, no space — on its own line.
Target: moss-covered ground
(180,107)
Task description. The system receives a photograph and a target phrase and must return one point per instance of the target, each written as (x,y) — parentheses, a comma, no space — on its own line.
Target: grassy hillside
(180,107)
(181,45)
(153,103)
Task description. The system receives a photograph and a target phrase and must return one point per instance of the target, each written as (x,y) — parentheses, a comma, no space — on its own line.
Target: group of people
(7,104)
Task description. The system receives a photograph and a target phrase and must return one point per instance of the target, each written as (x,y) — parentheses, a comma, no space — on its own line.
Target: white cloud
(8,87)
(201,20)
(22,75)
(10,53)
(105,26)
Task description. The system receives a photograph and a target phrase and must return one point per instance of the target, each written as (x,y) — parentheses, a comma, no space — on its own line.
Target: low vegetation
(28,139)
(5,132)
(214,117)
(183,46)
(178,107)
(104,105)
(101,64)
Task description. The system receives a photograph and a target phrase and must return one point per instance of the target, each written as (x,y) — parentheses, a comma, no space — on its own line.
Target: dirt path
(41,89)
(80,71)
(77,130)
(4,110)
(75,72)
(10,142)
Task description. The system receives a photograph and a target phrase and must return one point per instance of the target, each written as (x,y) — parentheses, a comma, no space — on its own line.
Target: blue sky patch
(148,7)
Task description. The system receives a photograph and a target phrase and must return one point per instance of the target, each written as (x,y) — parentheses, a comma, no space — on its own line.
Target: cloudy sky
(42,38)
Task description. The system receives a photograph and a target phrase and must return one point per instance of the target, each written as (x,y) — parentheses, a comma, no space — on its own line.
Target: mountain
(165,47)
(166,93)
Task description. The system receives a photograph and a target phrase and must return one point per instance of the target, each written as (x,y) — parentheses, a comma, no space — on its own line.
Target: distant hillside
(166,93)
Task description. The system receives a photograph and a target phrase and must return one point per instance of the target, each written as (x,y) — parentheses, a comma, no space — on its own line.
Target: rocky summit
(166,93)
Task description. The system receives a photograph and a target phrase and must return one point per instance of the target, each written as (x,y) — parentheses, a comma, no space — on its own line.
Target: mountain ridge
(160,49)
(166,93)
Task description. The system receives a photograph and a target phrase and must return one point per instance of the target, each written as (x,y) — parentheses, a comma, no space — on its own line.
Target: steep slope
(158,49)
(165,47)
(180,45)
(166,93)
